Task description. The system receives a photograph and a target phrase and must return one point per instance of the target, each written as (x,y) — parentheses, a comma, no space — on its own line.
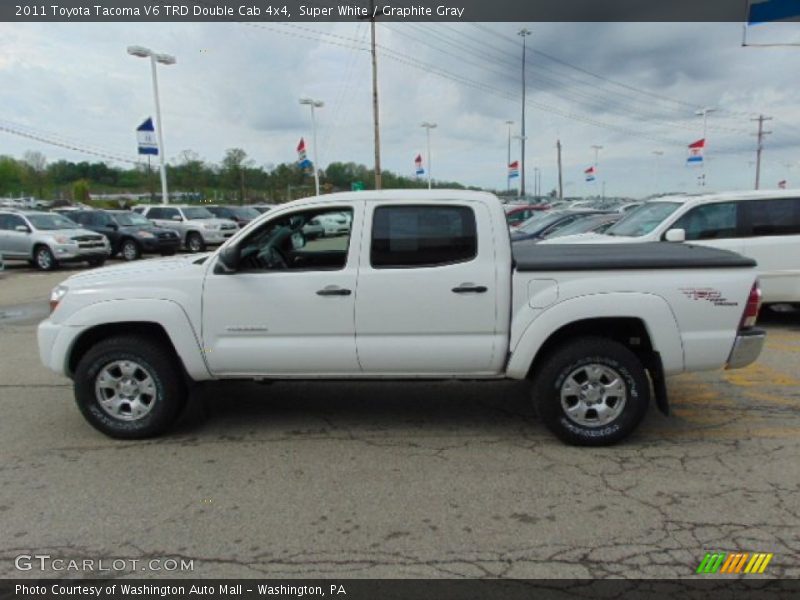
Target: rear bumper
(746,348)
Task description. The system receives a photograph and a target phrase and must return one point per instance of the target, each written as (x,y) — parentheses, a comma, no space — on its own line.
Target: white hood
(157,269)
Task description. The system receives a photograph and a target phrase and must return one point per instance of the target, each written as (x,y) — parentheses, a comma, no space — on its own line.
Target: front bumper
(74,253)
(217,237)
(54,343)
(746,348)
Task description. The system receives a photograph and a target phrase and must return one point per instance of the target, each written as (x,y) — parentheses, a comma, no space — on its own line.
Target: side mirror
(229,258)
(22,228)
(675,235)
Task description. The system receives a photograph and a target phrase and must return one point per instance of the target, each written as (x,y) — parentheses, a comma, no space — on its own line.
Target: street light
(428,127)
(314,104)
(521,139)
(523,33)
(508,161)
(164,59)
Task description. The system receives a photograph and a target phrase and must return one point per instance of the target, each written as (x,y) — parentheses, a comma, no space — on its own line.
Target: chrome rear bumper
(746,348)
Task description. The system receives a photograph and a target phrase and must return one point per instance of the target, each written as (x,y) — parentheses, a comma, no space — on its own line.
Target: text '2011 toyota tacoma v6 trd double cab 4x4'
(422,284)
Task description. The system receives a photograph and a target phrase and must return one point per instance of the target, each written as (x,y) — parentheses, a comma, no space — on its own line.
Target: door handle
(333,291)
(469,288)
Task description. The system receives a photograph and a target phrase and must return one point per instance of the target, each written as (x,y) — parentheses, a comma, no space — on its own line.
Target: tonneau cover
(530,256)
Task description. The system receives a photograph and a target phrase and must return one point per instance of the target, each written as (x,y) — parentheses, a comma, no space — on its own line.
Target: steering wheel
(271,258)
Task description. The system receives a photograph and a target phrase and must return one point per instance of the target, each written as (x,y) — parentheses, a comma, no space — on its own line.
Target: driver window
(309,240)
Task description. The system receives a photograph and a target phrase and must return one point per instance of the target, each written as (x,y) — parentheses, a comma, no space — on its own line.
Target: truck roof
(723,196)
(413,195)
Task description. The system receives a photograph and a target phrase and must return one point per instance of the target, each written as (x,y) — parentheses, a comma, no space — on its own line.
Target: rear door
(772,229)
(426,301)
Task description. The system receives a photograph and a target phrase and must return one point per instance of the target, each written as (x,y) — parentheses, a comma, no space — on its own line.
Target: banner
(146,138)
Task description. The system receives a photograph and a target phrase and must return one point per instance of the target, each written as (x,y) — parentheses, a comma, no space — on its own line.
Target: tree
(233,167)
(36,164)
(80,191)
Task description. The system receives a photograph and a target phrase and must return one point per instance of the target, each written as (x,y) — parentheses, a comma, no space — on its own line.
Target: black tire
(43,259)
(566,365)
(130,250)
(96,262)
(195,243)
(156,361)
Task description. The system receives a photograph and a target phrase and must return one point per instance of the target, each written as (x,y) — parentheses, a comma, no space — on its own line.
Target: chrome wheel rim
(44,260)
(593,395)
(125,390)
(194,244)
(129,251)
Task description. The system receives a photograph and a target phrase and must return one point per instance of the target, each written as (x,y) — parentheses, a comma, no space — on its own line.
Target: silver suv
(47,239)
(197,227)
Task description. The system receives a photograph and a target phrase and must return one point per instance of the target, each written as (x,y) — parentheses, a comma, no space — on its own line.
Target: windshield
(536,222)
(581,225)
(196,212)
(244,212)
(642,220)
(128,219)
(50,222)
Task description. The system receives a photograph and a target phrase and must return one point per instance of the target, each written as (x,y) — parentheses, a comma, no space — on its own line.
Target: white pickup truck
(422,285)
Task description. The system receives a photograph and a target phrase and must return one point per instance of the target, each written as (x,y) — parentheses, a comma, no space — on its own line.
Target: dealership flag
(302,159)
(146,138)
(696,152)
(418,165)
(513,169)
(590,173)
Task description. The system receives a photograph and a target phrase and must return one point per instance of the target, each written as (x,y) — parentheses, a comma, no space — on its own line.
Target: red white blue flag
(696,152)
(419,170)
(513,169)
(302,159)
(590,173)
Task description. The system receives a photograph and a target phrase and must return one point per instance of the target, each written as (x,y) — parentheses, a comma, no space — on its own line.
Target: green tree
(234,165)
(80,191)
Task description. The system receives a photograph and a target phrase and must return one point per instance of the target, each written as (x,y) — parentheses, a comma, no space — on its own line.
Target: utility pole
(375,113)
(508,159)
(760,145)
(560,180)
(523,33)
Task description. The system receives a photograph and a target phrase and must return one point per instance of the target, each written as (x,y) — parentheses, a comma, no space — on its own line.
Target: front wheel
(130,250)
(195,243)
(591,392)
(44,260)
(129,387)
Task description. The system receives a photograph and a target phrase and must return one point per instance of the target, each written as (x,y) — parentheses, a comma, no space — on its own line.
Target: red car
(517,214)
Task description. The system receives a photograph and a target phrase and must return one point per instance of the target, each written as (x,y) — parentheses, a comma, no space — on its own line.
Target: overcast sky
(631,88)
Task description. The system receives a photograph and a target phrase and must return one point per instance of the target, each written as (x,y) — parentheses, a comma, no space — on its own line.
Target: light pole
(523,33)
(164,59)
(508,160)
(314,104)
(704,112)
(521,139)
(428,127)
(536,179)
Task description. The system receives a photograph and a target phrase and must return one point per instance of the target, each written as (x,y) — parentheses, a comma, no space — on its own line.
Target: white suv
(197,227)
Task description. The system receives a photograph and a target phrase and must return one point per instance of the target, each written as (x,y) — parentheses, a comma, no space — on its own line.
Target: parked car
(197,227)
(332,224)
(586,223)
(538,227)
(46,240)
(241,215)
(762,225)
(428,289)
(628,206)
(130,234)
(262,208)
(517,214)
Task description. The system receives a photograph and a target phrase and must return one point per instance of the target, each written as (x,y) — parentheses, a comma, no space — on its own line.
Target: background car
(332,224)
(48,239)
(588,223)
(241,215)
(537,227)
(262,208)
(129,233)
(517,214)
(197,227)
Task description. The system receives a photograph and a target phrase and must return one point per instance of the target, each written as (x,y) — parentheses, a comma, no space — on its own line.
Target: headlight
(62,239)
(57,295)
(212,226)
(146,235)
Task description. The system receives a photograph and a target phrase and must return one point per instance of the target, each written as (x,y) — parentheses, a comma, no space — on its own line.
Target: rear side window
(422,236)
(710,221)
(780,216)
(155,213)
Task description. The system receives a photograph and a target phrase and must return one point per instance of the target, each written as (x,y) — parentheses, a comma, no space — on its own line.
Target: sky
(632,88)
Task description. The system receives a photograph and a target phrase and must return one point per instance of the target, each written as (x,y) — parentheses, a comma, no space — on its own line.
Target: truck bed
(595,257)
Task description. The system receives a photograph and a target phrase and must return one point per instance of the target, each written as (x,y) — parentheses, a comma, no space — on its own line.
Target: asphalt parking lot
(397,480)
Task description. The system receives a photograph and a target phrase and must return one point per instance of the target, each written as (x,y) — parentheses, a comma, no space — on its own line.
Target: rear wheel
(591,392)
(130,387)
(129,250)
(43,259)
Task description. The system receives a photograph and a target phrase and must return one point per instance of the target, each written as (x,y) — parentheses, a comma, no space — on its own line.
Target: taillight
(751,308)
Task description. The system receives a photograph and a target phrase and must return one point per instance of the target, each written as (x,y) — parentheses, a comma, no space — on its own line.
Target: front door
(288,310)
